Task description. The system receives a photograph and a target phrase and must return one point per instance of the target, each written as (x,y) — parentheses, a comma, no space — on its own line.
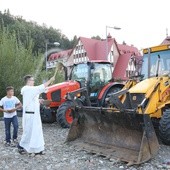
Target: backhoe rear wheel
(164,127)
(64,114)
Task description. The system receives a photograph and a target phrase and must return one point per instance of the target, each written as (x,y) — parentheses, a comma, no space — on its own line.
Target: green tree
(39,34)
(74,41)
(15,61)
(96,37)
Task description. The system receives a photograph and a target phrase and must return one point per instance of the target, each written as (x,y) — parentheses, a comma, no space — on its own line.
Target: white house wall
(78,55)
(113,54)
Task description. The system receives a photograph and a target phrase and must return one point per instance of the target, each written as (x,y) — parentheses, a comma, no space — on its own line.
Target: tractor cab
(93,75)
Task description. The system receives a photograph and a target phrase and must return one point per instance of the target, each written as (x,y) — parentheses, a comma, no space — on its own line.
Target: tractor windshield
(80,72)
(101,74)
(159,63)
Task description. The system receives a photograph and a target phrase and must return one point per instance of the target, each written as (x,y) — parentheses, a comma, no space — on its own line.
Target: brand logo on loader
(134,98)
(165,94)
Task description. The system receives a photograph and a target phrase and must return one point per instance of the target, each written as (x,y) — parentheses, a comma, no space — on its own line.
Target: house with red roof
(88,49)
(125,65)
(61,56)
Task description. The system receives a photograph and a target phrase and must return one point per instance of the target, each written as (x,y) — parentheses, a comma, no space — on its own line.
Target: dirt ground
(60,156)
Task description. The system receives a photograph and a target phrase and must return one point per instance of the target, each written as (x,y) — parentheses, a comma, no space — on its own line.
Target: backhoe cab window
(80,72)
(163,63)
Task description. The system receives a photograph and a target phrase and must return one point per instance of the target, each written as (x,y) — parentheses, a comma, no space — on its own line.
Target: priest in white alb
(32,140)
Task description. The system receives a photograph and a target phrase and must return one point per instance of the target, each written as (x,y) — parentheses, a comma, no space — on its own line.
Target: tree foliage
(39,34)
(22,48)
(16,61)
(96,37)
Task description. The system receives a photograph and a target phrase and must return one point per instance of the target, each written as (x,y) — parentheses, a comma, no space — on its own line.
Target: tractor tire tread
(60,116)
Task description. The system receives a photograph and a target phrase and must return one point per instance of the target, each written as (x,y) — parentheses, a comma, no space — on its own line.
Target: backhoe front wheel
(164,127)
(64,114)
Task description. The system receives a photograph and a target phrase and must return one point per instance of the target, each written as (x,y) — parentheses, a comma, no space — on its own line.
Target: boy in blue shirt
(8,105)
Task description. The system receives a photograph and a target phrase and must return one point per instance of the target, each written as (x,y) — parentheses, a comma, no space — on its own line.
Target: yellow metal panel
(144,86)
(158,99)
(157,92)
(157,48)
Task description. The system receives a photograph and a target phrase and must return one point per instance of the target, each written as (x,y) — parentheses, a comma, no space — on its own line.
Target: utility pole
(166,32)
(115,28)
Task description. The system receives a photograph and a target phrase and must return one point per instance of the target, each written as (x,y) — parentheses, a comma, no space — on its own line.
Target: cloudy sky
(143,22)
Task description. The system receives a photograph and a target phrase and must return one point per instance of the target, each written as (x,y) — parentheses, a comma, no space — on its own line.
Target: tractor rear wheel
(47,114)
(114,89)
(164,127)
(64,114)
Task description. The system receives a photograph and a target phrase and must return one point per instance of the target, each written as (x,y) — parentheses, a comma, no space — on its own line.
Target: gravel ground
(60,156)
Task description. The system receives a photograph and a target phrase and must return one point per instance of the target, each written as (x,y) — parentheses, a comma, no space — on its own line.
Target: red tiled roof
(122,63)
(102,47)
(89,46)
(96,49)
(60,54)
(124,49)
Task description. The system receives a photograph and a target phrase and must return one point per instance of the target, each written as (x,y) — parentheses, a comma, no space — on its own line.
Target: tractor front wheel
(64,114)
(164,127)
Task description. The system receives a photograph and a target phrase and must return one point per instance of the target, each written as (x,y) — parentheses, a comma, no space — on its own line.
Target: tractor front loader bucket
(126,136)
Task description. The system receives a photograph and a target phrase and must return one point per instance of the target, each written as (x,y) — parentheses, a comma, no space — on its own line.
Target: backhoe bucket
(126,136)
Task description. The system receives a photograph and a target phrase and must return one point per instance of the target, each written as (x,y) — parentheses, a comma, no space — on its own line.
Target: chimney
(124,43)
(109,36)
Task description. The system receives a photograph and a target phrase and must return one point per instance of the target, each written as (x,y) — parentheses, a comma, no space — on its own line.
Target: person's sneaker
(13,144)
(21,150)
(7,144)
(15,141)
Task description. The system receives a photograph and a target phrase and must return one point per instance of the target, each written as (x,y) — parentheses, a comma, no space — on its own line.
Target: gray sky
(143,22)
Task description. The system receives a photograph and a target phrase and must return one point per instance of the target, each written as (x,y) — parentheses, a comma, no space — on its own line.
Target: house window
(130,71)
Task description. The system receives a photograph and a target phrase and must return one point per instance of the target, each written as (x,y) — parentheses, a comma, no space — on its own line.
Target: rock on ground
(60,156)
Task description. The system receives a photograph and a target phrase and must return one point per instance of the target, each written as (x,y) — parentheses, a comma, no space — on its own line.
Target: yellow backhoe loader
(124,130)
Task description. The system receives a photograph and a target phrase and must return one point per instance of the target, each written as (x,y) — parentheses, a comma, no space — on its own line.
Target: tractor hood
(144,86)
(64,86)
(55,94)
